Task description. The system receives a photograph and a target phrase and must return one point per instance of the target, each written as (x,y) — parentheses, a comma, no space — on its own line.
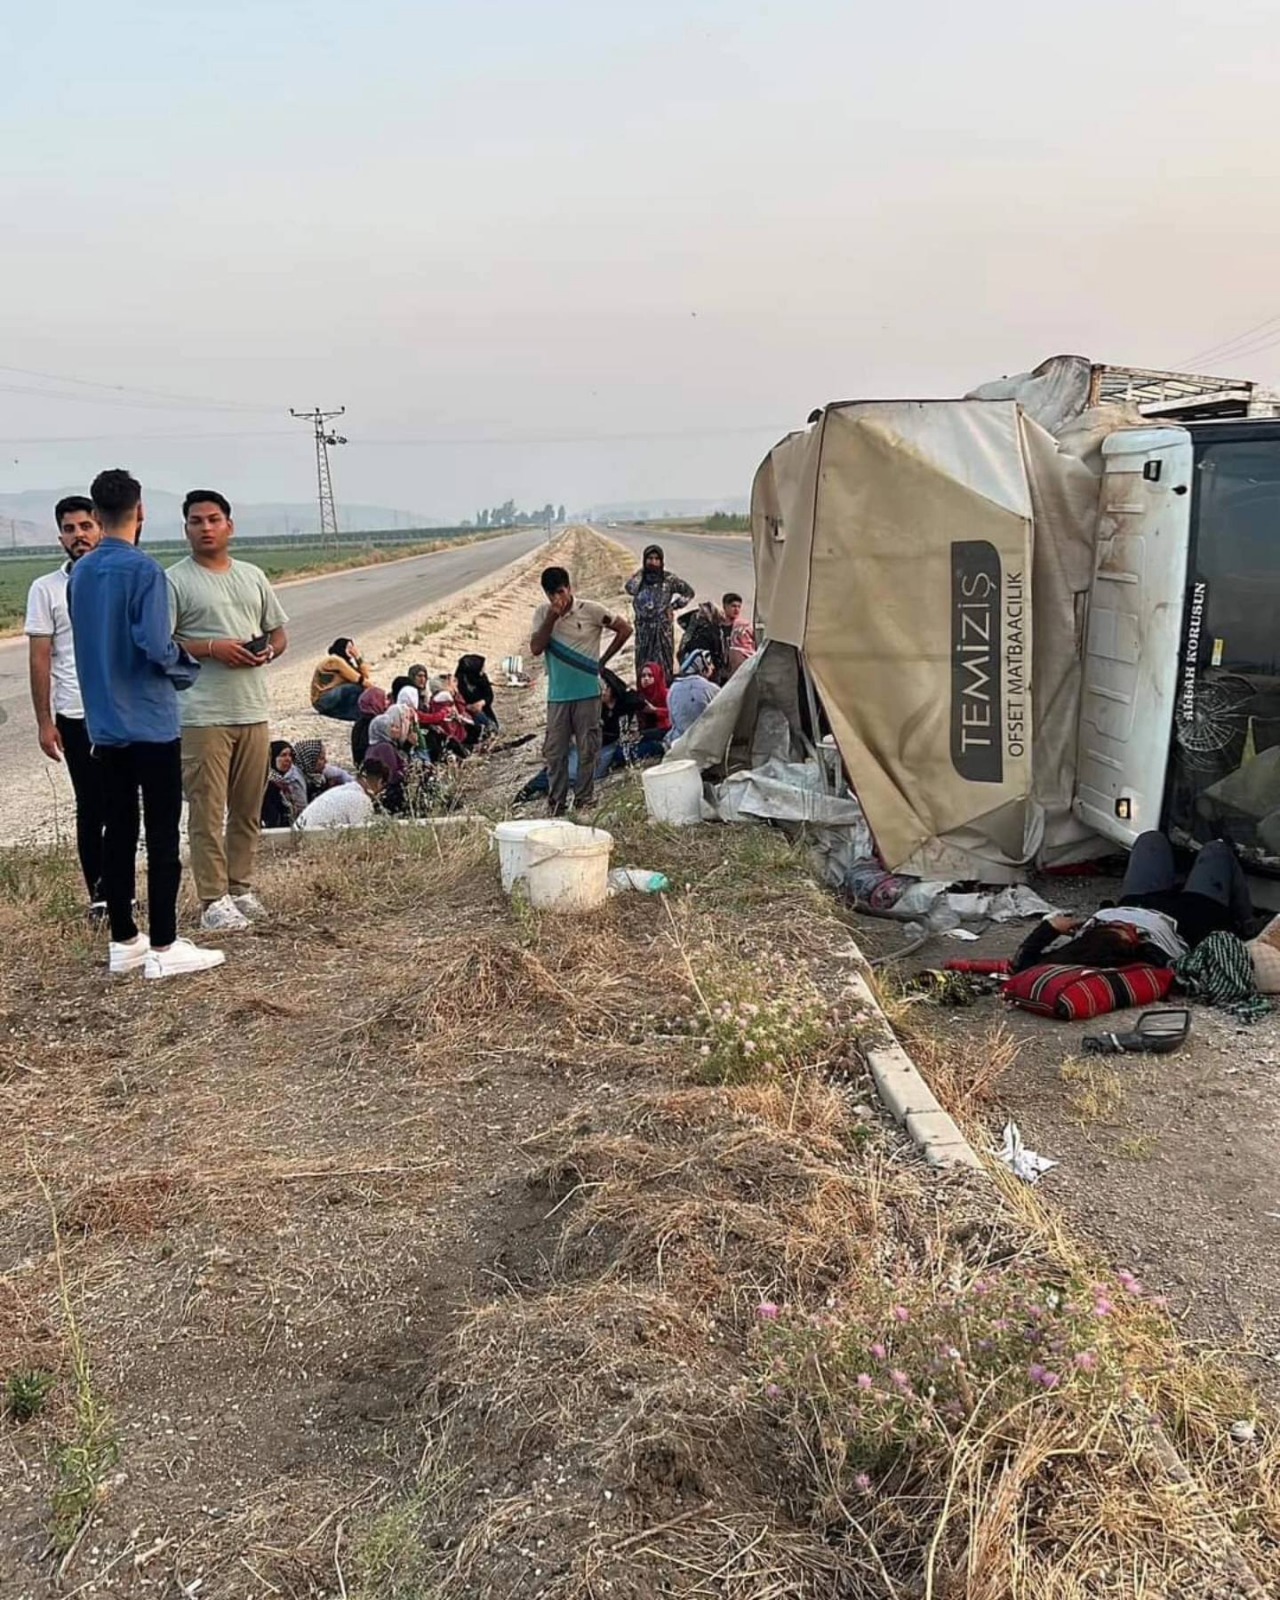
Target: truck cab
(1180,712)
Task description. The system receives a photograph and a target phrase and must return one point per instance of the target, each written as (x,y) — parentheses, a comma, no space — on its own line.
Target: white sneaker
(128,955)
(223,916)
(248,905)
(181,957)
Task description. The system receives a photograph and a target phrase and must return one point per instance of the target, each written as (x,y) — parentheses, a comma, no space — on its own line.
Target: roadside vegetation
(439,1249)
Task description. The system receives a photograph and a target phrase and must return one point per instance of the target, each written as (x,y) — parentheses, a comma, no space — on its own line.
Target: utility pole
(325,436)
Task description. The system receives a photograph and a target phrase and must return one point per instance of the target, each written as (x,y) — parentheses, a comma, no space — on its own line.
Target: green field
(276,561)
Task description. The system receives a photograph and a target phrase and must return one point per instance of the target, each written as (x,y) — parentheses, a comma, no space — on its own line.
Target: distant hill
(27,517)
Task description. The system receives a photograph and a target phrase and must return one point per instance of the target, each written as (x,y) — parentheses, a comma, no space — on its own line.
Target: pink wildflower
(879,1351)
(864,1380)
(1102,1307)
(901,1314)
(1129,1283)
(767,1311)
(773,1391)
(899,1380)
(1086,1361)
(862,1483)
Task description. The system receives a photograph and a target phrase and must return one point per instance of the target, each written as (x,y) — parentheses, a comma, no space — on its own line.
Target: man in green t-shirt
(567,631)
(226,614)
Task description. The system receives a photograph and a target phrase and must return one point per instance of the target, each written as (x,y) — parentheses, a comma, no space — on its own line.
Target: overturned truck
(1038,619)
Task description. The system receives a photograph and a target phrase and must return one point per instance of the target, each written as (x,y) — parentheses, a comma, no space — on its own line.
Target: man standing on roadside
(55,690)
(567,632)
(227,615)
(130,670)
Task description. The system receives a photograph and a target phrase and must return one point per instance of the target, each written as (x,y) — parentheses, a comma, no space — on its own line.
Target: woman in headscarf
(475,691)
(338,682)
(692,692)
(394,740)
(285,797)
(317,770)
(656,594)
(373,702)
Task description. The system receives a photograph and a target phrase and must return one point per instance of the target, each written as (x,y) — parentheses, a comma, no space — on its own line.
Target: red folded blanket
(1074,993)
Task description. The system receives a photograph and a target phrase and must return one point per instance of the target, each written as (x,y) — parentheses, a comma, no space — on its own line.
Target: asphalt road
(320,610)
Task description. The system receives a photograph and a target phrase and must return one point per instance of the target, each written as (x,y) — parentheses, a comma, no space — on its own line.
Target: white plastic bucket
(511,839)
(567,868)
(673,793)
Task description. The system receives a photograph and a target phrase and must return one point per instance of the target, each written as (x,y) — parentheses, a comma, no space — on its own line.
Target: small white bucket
(511,839)
(567,868)
(673,793)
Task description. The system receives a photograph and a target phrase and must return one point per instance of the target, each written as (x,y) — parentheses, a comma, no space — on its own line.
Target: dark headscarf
(646,575)
(306,754)
(473,682)
(339,647)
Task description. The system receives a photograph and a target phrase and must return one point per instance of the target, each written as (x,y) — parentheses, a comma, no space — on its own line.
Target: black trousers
(153,771)
(86,780)
(1215,895)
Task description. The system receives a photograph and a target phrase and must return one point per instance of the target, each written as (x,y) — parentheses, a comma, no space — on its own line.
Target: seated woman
(351,805)
(455,727)
(399,744)
(654,719)
(317,770)
(1157,920)
(373,702)
(691,693)
(285,797)
(473,688)
(339,681)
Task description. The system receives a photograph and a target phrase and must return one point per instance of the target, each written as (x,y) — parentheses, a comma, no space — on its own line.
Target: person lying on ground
(567,631)
(351,805)
(372,703)
(740,642)
(285,798)
(318,771)
(691,693)
(338,682)
(1157,919)
(654,718)
(474,687)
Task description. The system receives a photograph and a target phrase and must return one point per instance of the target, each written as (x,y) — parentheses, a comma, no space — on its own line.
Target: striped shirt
(573,651)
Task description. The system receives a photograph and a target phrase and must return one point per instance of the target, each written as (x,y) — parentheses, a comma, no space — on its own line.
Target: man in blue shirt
(130,670)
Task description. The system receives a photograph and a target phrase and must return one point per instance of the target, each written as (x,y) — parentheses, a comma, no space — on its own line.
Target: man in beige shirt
(568,631)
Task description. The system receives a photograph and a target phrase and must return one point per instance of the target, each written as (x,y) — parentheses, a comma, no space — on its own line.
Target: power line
(120,391)
(1224,349)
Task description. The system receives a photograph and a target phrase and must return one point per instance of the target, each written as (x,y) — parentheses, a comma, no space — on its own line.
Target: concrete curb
(907,1097)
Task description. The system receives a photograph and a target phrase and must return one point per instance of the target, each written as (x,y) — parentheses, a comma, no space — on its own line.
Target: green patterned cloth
(1219,971)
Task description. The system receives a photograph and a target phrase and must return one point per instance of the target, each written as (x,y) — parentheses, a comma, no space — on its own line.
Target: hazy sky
(576,251)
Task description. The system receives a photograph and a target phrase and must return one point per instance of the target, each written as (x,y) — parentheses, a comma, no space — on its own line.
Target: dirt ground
(1170,1164)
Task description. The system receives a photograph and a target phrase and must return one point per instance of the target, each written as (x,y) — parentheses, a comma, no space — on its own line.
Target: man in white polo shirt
(55,690)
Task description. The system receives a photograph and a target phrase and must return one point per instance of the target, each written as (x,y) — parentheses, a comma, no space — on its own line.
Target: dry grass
(964,1068)
(275,1192)
(1096,1091)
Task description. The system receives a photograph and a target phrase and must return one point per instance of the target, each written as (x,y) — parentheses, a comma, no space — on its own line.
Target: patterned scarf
(1219,971)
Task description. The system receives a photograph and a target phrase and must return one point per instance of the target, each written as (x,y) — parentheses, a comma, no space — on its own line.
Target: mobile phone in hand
(257,647)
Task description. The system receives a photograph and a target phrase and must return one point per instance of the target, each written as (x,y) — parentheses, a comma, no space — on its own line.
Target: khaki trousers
(571,722)
(224,775)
